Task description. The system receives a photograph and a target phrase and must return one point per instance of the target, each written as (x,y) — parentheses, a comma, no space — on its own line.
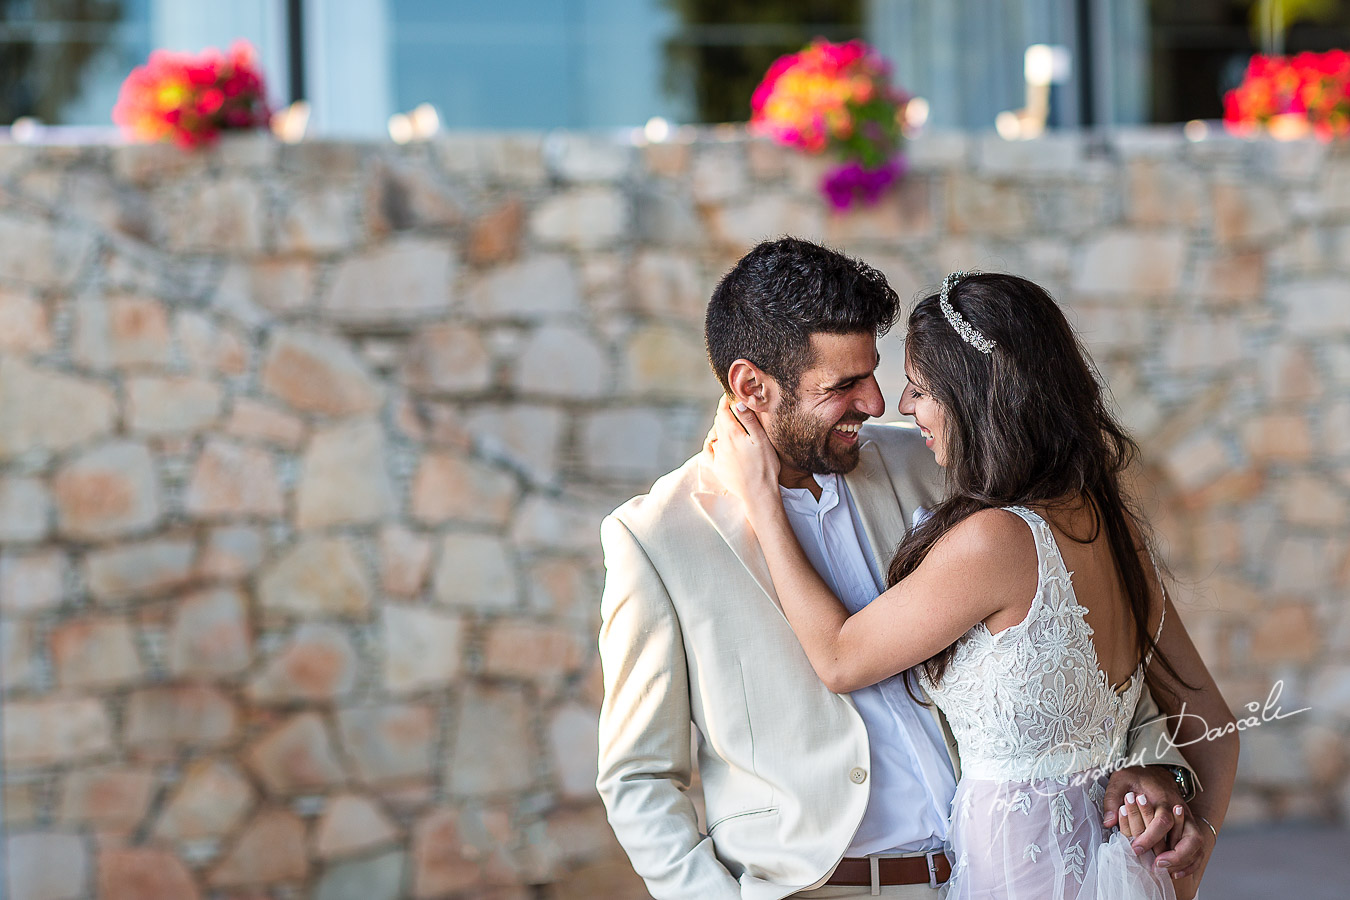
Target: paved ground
(1285,862)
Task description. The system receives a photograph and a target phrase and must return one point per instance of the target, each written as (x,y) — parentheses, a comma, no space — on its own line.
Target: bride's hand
(744,460)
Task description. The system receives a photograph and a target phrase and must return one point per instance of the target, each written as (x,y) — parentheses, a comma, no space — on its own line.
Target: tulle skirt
(1044,840)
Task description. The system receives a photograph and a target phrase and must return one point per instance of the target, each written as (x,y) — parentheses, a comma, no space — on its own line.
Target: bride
(1027,604)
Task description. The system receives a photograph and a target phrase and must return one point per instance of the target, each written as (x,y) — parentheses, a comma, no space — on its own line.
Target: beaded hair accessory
(963,328)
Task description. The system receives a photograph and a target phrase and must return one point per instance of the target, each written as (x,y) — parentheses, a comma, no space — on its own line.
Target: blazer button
(858,775)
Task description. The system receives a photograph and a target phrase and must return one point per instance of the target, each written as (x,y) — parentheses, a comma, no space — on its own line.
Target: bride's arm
(979,568)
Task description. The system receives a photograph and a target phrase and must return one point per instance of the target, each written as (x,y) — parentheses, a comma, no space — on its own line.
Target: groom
(808,793)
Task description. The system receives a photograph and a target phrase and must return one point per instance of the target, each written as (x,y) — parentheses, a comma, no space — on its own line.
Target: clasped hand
(743,458)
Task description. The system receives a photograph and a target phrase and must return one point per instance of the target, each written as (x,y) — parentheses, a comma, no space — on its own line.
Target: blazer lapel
(878,506)
(726,514)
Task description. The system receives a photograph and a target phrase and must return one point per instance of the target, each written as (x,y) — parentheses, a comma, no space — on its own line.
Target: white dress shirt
(912,778)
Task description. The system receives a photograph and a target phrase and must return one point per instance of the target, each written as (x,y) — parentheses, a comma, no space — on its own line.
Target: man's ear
(751,386)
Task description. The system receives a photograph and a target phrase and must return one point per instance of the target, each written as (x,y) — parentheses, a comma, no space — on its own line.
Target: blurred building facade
(587,64)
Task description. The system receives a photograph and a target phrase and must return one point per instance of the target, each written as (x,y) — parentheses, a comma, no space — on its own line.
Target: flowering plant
(1307,90)
(190,99)
(836,97)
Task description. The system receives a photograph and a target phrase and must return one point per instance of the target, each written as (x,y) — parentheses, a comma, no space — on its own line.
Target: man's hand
(1152,799)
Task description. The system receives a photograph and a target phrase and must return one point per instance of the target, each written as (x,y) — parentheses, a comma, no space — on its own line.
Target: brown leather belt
(857,872)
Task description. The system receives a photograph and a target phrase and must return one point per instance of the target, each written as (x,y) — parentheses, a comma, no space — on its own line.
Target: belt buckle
(932,868)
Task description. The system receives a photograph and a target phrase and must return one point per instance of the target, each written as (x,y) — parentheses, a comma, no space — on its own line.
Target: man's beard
(805,441)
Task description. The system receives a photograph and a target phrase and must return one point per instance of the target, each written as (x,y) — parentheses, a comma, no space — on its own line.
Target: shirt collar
(801,500)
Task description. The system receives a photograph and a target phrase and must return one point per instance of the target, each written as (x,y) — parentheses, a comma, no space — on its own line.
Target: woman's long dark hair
(1026,425)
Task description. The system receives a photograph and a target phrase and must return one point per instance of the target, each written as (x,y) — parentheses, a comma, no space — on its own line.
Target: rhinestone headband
(963,328)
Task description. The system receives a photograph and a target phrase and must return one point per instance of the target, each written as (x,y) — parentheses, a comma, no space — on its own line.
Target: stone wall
(303,452)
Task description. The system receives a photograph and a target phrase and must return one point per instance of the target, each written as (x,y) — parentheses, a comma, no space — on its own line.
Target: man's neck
(789,476)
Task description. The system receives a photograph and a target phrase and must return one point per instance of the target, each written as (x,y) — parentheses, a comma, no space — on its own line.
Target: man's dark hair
(780,293)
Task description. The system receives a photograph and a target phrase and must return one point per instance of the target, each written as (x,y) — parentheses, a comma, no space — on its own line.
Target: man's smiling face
(815,430)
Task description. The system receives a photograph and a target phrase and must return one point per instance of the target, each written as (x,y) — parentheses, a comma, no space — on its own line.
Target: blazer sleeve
(1149,738)
(645,764)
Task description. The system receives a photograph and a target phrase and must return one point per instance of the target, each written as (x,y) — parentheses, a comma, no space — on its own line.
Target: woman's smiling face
(917,402)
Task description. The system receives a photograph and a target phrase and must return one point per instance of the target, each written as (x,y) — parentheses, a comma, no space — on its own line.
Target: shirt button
(858,775)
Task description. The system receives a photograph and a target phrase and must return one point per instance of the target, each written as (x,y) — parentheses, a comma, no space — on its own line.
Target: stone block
(1132,263)
(664,215)
(210,348)
(163,719)
(270,849)
(1233,278)
(527,436)
(495,235)
(626,442)
(404,192)
(533,651)
(114,799)
(719,174)
(18,654)
(1300,565)
(444,862)
(584,218)
(296,757)
(1277,437)
(46,866)
(492,749)
(24,327)
(1288,633)
(231,480)
(564,588)
(232,553)
(452,488)
(422,648)
(215,216)
(55,732)
(562,361)
(1248,213)
(37,253)
(49,411)
(210,637)
(406,280)
(143,873)
(580,157)
(343,477)
(405,558)
(107,492)
(121,331)
(572,731)
(1287,373)
(211,800)
(556,523)
(448,358)
(903,214)
(350,824)
(318,373)
(667,361)
(670,159)
(317,665)
(1202,344)
(32,582)
(667,284)
(135,571)
(389,743)
(765,216)
(318,221)
(25,509)
(1305,500)
(264,423)
(537,286)
(95,652)
(172,405)
(1316,308)
(249,291)
(476,571)
(377,878)
(998,208)
(1329,692)
(316,578)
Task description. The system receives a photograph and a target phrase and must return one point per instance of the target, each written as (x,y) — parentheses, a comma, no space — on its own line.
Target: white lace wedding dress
(1039,730)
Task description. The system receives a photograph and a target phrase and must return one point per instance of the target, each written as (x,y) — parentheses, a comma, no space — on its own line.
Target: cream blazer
(692,633)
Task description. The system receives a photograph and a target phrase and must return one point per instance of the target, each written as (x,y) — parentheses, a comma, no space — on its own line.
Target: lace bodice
(1032,701)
